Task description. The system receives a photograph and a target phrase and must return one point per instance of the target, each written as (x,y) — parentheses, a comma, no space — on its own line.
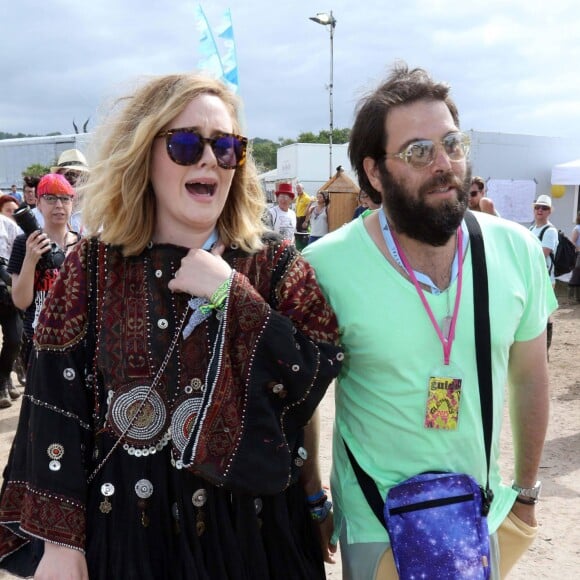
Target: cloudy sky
(513,64)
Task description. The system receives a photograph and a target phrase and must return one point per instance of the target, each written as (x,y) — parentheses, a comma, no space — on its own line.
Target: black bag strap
(482,335)
(541,237)
(483,355)
(542,232)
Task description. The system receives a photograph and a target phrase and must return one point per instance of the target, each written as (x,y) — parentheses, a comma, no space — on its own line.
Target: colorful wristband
(315,498)
(320,513)
(218,298)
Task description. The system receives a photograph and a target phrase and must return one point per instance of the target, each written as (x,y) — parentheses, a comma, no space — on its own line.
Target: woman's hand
(37,244)
(201,273)
(61,563)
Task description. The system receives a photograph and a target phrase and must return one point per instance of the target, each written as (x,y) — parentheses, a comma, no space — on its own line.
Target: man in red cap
(284,218)
(38,254)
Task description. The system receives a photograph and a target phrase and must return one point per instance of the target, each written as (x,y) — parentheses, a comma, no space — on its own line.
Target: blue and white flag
(218,60)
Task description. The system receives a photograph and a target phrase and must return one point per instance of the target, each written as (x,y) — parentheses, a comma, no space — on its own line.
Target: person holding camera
(38,254)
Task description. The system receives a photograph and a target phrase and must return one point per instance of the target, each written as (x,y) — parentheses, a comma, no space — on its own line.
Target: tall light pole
(327,19)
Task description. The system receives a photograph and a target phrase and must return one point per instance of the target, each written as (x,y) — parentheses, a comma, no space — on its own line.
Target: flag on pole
(221,64)
(229,60)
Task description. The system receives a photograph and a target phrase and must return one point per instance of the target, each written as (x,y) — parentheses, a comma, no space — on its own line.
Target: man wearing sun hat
(547,233)
(284,218)
(73,165)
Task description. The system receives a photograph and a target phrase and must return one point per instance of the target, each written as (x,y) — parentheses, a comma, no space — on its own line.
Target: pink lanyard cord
(446,342)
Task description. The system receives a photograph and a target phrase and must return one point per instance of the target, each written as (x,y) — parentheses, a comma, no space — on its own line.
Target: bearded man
(400,281)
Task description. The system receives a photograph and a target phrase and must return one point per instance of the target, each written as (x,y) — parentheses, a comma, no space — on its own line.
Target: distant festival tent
(566,173)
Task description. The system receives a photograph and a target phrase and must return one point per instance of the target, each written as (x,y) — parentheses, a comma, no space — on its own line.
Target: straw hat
(71,159)
(544,200)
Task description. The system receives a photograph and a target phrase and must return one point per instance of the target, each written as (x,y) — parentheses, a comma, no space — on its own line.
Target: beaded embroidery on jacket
(142,395)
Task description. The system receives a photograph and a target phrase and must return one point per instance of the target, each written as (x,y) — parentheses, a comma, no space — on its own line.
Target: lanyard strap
(446,341)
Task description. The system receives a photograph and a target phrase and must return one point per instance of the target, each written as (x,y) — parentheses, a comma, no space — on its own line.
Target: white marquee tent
(566,173)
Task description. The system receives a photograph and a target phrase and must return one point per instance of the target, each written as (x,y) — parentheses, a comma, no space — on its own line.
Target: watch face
(532,492)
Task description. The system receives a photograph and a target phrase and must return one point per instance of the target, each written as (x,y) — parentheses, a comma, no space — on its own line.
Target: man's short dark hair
(368,137)
(31,180)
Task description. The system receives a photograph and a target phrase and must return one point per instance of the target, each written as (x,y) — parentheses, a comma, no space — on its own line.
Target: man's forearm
(529,407)
(310,477)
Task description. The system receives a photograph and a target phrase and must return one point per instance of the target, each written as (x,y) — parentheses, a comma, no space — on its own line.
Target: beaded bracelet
(320,513)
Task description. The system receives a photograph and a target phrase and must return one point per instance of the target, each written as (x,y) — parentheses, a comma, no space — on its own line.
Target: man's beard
(414,217)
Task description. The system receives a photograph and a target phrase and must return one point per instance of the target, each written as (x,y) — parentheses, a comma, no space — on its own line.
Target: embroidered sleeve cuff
(58,520)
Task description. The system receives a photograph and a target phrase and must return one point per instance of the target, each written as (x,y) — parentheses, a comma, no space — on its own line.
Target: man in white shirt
(284,218)
(546,231)
(548,235)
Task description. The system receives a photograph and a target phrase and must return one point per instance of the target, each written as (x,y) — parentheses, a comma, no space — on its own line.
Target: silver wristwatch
(528,494)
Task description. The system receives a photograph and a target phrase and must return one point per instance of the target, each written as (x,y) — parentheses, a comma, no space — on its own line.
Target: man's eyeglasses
(541,207)
(474,192)
(52,199)
(185,147)
(420,154)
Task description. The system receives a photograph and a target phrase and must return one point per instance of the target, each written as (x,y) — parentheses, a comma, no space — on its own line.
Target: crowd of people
(178,336)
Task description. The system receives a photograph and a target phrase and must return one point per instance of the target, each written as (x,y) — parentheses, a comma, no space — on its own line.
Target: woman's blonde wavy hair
(118,200)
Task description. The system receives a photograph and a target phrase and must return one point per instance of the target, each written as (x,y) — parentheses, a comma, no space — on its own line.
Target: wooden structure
(343,193)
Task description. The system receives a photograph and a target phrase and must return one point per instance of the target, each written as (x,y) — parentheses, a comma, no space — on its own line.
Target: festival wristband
(218,298)
(315,498)
(320,513)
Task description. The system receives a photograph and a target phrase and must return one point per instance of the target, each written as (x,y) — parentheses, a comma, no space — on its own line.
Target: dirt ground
(556,552)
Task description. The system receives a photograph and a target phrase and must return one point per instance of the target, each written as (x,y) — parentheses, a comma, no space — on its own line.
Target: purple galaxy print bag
(437,527)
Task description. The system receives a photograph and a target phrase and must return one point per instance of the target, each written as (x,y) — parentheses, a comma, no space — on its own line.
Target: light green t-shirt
(391,350)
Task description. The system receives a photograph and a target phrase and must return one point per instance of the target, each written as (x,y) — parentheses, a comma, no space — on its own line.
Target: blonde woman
(178,359)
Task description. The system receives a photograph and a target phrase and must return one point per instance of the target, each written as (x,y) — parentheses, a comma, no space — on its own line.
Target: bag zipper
(431,504)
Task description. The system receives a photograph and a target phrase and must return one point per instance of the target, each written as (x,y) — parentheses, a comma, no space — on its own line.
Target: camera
(54,256)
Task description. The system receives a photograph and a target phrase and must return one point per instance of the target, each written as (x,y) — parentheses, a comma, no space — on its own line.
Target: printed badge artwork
(443,399)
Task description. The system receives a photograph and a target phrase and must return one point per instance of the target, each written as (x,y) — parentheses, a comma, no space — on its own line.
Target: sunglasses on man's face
(420,154)
(185,147)
(541,208)
(474,192)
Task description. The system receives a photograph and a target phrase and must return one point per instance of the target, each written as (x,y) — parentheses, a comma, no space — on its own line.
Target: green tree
(36,170)
(338,136)
(341,135)
(264,152)
(308,137)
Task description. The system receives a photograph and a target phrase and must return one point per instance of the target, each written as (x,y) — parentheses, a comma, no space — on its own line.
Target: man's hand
(526,513)
(324,532)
